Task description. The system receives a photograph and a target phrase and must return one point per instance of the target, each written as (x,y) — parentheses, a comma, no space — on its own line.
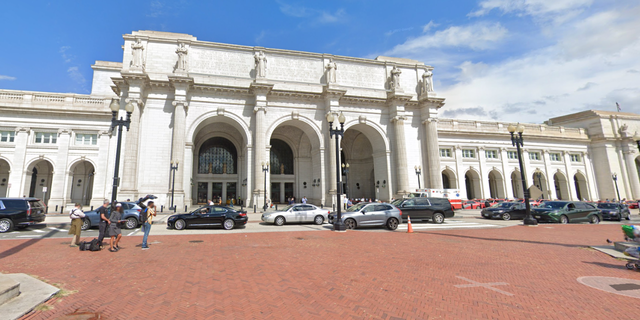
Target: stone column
(178,146)
(433,153)
(59,180)
(571,185)
(260,90)
(591,181)
(17,172)
(632,172)
(332,104)
(129,157)
(401,156)
(548,176)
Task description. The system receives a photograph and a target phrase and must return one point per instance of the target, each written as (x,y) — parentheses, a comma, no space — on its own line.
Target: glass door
(288,191)
(231,193)
(203,191)
(216,192)
(275,192)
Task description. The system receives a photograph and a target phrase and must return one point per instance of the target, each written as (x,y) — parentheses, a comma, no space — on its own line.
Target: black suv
(425,209)
(20,212)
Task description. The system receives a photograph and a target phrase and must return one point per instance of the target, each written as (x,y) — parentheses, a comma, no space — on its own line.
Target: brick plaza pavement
(326,275)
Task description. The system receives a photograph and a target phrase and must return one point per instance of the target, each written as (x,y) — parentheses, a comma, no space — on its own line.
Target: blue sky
(512,60)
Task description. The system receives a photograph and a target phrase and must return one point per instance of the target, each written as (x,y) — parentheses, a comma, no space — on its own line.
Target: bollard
(333,207)
(56,208)
(46,210)
(174,209)
(185,208)
(91,208)
(61,208)
(161,208)
(254,208)
(322,206)
(276,207)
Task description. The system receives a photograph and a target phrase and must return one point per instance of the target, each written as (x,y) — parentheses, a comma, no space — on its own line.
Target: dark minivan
(425,209)
(20,212)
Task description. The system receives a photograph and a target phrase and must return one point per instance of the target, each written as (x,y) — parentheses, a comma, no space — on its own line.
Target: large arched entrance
(561,186)
(81,182)
(449,179)
(4,178)
(366,152)
(472,184)
(516,185)
(496,185)
(582,192)
(540,181)
(282,171)
(38,180)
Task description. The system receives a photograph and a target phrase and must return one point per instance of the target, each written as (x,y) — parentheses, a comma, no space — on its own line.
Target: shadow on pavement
(607,265)
(24,245)
(508,240)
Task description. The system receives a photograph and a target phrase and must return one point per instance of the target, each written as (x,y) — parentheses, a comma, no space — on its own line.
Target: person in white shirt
(76,216)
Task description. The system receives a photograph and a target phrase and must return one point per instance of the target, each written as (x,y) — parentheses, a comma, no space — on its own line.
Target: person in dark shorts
(114,228)
(104,221)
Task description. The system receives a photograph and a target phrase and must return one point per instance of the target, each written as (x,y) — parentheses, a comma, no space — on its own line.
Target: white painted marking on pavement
(484,285)
(132,232)
(38,231)
(32,236)
(61,230)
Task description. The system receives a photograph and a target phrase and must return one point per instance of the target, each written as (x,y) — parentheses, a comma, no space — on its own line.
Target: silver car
(367,214)
(297,213)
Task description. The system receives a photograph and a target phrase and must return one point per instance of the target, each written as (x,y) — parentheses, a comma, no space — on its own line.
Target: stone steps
(9,288)
(20,293)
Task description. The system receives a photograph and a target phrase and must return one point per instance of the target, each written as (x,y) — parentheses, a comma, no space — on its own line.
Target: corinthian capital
(181,102)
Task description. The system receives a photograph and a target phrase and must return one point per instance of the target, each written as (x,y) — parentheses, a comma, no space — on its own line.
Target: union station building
(222,111)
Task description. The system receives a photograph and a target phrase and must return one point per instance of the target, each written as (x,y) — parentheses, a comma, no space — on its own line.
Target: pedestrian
(147,220)
(104,221)
(304,200)
(487,204)
(210,202)
(76,216)
(290,201)
(114,228)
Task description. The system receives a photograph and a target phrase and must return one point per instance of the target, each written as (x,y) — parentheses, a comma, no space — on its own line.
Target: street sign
(44,189)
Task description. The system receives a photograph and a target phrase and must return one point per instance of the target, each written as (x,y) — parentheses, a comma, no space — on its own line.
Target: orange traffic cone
(409,228)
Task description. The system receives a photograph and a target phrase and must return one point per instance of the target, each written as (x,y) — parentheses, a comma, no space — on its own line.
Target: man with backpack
(104,221)
(146,218)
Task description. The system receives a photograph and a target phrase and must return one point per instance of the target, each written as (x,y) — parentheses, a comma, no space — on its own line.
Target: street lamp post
(174,168)
(516,140)
(265,169)
(115,122)
(615,180)
(345,168)
(418,172)
(338,225)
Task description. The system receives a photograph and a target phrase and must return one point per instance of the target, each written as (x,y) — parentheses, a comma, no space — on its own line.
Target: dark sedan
(614,211)
(566,211)
(505,211)
(209,216)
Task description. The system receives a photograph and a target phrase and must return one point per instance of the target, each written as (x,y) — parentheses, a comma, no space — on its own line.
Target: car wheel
(506,216)
(330,220)
(228,224)
(180,224)
(438,218)
(595,219)
(350,223)
(6,225)
(279,220)
(619,217)
(318,220)
(564,219)
(86,224)
(131,223)
(392,224)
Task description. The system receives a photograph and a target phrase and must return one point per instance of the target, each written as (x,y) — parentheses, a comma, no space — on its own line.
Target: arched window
(218,156)
(281,157)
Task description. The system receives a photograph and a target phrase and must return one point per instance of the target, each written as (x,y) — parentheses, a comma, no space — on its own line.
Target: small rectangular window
(7,136)
(468,153)
(554,157)
(86,139)
(575,158)
(46,138)
(512,155)
(534,155)
(445,153)
(491,154)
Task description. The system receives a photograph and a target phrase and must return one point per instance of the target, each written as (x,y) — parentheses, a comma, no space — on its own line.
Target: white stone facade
(220,111)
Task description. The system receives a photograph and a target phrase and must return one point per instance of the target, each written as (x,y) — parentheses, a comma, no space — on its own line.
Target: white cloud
(320,16)
(531,7)
(429,26)
(75,75)
(477,36)
(7,77)
(591,63)
(156,9)
(66,56)
(326,17)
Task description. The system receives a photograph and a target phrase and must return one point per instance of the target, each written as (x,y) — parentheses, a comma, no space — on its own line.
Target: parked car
(20,213)
(366,214)
(425,209)
(614,211)
(505,211)
(131,214)
(297,213)
(632,204)
(566,211)
(472,204)
(209,216)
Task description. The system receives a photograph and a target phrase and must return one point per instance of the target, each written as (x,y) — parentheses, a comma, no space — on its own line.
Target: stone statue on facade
(395,78)
(427,82)
(331,71)
(623,130)
(261,64)
(137,47)
(182,58)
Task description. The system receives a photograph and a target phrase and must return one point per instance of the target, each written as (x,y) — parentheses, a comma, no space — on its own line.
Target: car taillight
(400,212)
(139,210)
(243,214)
(29,211)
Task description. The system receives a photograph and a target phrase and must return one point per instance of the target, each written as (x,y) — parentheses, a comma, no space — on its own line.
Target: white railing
(11,96)
(39,98)
(48,98)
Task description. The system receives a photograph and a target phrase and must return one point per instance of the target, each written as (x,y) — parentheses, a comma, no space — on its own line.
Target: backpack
(143,216)
(84,246)
(94,245)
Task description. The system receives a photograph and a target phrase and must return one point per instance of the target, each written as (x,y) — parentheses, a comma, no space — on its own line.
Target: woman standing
(76,216)
(114,228)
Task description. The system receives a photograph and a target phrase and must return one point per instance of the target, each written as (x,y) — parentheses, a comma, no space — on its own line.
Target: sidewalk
(327,275)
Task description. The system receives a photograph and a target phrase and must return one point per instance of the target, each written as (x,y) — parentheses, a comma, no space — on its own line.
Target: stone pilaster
(17,176)
(571,186)
(632,172)
(59,180)
(429,114)
(396,100)
(181,85)
(329,183)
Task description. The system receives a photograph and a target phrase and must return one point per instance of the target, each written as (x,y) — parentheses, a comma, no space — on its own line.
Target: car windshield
(505,204)
(287,208)
(397,202)
(357,207)
(607,205)
(553,205)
